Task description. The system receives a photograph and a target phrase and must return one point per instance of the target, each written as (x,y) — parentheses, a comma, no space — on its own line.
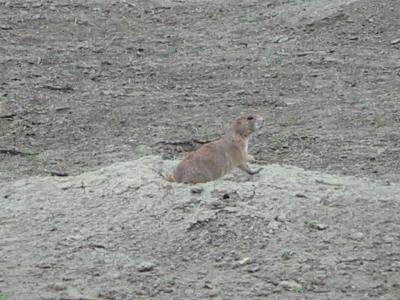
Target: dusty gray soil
(90,83)
(283,234)
(85,84)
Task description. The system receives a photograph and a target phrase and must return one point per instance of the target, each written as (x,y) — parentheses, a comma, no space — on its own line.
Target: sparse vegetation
(379,121)
(287,254)
(28,156)
(299,2)
(297,290)
(89,88)
(355,100)
(277,57)
(2,297)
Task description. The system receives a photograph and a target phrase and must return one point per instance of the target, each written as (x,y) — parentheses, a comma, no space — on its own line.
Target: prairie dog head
(247,124)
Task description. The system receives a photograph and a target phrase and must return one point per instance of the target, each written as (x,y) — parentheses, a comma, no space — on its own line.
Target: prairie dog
(215,159)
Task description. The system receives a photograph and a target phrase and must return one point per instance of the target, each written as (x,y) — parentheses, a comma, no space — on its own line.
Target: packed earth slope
(105,94)
(122,232)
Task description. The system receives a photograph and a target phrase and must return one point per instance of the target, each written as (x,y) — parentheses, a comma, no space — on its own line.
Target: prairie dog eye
(250,118)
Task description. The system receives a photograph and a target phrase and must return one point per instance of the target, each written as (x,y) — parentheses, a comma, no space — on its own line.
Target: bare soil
(122,232)
(86,84)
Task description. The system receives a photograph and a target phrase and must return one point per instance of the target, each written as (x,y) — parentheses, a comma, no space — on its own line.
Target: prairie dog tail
(169,177)
(160,170)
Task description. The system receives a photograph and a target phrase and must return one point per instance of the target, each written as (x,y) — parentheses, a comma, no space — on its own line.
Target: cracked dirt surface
(103,91)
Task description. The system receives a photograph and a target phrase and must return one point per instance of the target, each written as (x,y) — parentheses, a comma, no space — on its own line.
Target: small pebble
(197,190)
(58,286)
(300,195)
(395,41)
(245,261)
(145,266)
(290,284)
(357,236)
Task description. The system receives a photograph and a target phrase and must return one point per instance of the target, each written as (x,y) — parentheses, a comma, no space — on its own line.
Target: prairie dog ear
(244,115)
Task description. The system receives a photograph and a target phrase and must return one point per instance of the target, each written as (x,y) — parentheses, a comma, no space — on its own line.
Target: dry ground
(85,84)
(92,83)
(283,234)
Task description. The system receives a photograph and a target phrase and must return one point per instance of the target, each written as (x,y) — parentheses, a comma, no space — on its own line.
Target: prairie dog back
(215,159)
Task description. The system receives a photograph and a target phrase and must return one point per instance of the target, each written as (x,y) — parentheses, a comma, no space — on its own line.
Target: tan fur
(215,159)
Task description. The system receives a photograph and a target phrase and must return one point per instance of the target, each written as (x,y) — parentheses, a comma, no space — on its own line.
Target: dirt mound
(122,232)
(91,84)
